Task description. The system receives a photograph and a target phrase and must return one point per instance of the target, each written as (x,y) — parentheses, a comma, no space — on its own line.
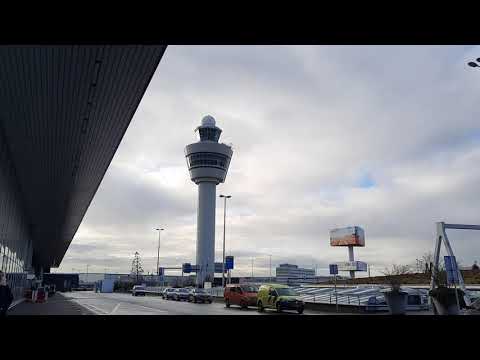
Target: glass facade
(15,242)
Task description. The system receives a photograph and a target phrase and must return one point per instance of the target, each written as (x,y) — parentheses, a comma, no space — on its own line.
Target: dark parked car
(181,294)
(199,295)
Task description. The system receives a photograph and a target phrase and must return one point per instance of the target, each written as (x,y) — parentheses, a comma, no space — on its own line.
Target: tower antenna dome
(208,121)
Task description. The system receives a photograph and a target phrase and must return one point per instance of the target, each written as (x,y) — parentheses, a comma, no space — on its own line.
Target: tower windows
(207,159)
(209,134)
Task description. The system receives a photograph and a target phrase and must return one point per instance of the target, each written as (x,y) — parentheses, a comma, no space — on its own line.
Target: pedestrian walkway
(56,305)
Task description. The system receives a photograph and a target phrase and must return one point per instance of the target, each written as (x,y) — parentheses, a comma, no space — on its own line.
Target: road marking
(95,309)
(115,309)
(150,308)
(99,311)
(89,308)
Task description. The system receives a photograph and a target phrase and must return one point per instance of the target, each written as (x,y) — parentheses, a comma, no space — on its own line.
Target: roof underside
(64,111)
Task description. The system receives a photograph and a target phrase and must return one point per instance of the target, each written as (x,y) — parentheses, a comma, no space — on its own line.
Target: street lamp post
(270,268)
(225,197)
(158,251)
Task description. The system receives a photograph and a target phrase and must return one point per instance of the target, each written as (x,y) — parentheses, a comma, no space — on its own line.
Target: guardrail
(344,297)
(215,291)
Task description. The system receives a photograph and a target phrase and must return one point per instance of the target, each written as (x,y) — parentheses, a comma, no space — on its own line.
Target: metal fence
(369,297)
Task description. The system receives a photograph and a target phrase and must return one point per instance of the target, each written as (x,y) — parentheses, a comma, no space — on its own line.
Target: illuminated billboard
(349,236)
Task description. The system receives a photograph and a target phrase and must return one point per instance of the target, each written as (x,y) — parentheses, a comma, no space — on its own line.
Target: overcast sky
(383,137)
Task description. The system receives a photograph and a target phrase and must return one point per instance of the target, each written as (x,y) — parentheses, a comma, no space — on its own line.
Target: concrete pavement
(59,304)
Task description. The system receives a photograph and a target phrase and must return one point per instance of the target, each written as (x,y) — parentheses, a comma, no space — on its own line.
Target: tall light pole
(252,268)
(225,197)
(158,251)
(87,275)
(270,268)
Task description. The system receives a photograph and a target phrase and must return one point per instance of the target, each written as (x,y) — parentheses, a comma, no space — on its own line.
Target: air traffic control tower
(208,162)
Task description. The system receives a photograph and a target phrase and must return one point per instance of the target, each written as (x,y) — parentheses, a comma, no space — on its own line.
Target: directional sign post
(228,262)
(452,274)
(451,269)
(334,271)
(187,268)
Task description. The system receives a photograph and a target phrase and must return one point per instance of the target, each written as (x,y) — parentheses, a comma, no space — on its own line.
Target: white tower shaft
(206,231)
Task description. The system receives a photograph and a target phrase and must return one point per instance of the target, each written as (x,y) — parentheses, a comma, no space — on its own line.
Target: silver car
(167,293)
(138,290)
(199,295)
(181,294)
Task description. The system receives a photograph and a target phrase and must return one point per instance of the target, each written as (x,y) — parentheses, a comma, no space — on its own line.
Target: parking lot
(126,304)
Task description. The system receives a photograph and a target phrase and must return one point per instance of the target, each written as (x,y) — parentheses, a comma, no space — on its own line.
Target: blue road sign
(187,268)
(228,262)
(451,269)
(333,269)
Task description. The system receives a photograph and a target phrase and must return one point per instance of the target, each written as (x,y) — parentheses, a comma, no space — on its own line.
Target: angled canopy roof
(64,111)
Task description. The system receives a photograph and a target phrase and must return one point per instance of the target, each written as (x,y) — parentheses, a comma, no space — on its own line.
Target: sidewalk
(56,305)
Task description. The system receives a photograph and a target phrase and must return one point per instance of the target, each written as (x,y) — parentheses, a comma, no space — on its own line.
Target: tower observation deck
(208,162)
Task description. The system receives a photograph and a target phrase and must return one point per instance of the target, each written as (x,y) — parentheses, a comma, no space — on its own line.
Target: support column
(351,259)
(206,231)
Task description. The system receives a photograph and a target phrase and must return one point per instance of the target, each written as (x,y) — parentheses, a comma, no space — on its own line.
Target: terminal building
(291,274)
(63,112)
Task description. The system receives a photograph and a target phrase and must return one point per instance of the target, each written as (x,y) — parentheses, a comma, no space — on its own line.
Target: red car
(241,295)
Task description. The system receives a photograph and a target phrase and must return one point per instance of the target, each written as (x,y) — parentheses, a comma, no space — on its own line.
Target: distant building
(291,274)
(253,280)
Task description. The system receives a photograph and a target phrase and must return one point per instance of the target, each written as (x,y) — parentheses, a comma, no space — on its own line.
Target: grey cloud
(306,123)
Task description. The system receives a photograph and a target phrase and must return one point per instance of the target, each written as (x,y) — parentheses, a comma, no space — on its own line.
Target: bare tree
(392,275)
(426,261)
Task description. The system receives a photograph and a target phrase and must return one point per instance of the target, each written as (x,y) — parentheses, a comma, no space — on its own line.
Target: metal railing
(216,291)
